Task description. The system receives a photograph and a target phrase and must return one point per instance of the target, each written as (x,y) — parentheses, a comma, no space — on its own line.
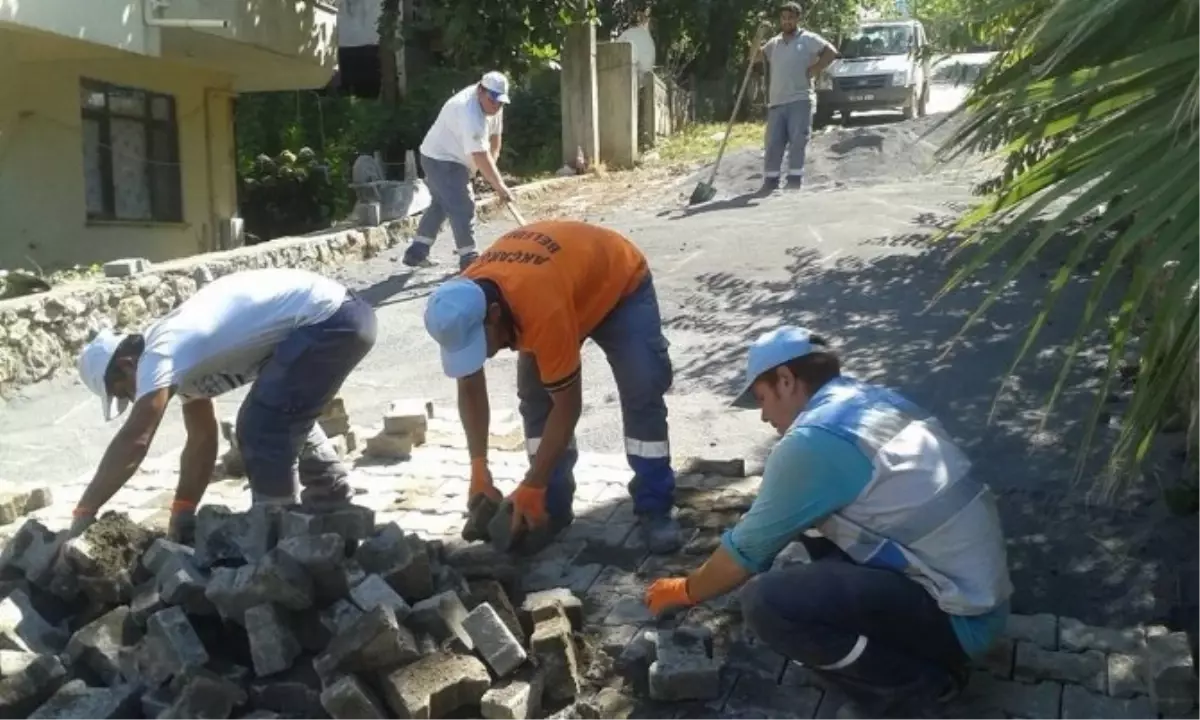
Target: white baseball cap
(93,366)
(497,84)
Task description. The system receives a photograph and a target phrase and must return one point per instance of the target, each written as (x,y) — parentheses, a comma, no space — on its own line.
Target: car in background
(882,65)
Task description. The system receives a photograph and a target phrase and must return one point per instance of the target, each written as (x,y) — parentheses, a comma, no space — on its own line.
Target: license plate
(862,98)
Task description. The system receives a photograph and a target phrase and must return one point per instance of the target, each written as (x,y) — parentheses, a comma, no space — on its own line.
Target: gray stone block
(408,417)
(1079,704)
(145,602)
(222,534)
(353,522)
(273,646)
(205,696)
(98,644)
(1170,675)
(499,528)
(23,628)
(273,579)
(441,616)
(373,592)
(126,267)
(546,604)
(348,698)
(318,554)
(181,583)
(493,593)
(340,615)
(551,643)
(27,681)
(1074,636)
(989,696)
(515,698)
(295,693)
(1088,668)
(34,550)
(116,589)
(372,642)
(683,669)
(1125,675)
(480,511)
(628,611)
(494,640)
(175,644)
(1041,629)
(399,560)
(436,685)
(336,584)
(76,700)
(155,702)
(161,551)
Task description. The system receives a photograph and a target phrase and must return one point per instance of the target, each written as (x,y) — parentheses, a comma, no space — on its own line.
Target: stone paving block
(24,688)
(480,511)
(125,267)
(754,657)
(998,660)
(1088,668)
(399,561)
(76,700)
(482,562)
(23,628)
(155,702)
(1125,675)
(499,528)
(1079,704)
(116,589)
(1074,636)
(354,522)
(493,640)
(177,646)
(682,669)
(318,554)
(442,617)
(494,594)
(720,467)
(436,685)
(1170,675)
(373,592)
(580,578)
(295,693)
(515,698)
(273,645)
(205,696)
(161,551)
(223,535)
(371,642)
(33,550)
(1041,629)
(546,604)
(408,416)
(758,696)
(338,616)
(98,643)
(551,643)
(628,611)
(989,696)
(181,583)
(348,698)
(274,579)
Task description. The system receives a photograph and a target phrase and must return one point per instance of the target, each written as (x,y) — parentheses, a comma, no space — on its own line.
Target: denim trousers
(277,430)
(632,340)
(450,195)
(789,127)
(874,632)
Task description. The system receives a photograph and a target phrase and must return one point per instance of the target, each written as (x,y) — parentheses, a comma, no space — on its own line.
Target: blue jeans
(449,186)
(875,633)
(632,340)
(277,428)
(789,127)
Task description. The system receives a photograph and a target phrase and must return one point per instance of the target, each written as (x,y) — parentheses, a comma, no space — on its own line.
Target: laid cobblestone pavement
(1046,667)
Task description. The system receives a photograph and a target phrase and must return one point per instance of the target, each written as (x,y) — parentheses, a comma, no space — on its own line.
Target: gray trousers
(788,127)
(449,186)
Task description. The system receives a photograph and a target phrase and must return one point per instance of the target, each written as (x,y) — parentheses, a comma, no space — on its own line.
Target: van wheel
(910,105)
(923,107)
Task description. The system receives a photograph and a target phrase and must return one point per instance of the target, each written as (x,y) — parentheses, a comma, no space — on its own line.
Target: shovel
(704,190)
(516,214)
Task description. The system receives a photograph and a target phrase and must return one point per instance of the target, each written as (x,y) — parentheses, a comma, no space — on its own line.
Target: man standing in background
(464,139)
(794,58)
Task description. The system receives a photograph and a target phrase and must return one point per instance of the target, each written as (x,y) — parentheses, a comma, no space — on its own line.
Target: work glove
(529,506)
(667,594)
(481,481)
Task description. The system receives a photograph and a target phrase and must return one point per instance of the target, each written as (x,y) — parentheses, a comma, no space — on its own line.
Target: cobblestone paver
(1046,666)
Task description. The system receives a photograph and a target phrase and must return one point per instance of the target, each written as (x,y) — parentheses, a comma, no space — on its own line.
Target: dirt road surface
(850,257)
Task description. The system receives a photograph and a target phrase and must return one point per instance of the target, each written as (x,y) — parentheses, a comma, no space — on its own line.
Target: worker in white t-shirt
(295,334)
(464,139)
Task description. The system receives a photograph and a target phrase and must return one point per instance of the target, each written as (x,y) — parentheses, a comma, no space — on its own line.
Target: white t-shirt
(220,337)
(461,128)
(788,60)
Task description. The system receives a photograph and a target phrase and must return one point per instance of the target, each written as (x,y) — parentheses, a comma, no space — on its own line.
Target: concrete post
(648,110)
(579,98)
(616,79)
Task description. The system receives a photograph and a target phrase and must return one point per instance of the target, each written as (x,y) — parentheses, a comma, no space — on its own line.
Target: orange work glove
(529,506)
(481,481)
(667,593)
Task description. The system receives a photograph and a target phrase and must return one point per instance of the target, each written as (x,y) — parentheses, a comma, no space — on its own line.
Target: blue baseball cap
(772,349)
(454,318)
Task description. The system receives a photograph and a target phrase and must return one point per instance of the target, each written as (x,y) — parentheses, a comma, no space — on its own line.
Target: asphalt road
(852,262)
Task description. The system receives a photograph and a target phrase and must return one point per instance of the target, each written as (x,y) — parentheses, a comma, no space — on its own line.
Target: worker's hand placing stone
(529,507)
(481,482)
(667,594)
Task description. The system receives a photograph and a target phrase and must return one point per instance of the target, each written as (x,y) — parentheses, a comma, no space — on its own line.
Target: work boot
(417,255)
(328,498)
(793,184)
(465,260)
(661,533)
(769,186)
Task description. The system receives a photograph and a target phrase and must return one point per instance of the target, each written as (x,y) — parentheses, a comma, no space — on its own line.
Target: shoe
(661,533)
(464,261)
(417,255)
(793,185)
(768,187)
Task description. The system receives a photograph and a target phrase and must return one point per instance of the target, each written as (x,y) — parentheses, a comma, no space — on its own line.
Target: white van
(881,66)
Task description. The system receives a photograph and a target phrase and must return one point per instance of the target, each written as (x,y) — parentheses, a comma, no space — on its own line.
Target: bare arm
(475,413)
(126,451)
(560,427)
(199,452)
(719,575)
(496,142)
(827,56)
(487,167)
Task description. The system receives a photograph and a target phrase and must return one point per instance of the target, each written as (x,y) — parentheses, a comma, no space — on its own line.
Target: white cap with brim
(770,350)
(93,366)
(454,318)
(496,83)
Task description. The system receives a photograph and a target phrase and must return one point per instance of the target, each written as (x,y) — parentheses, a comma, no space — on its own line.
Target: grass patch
(701,141)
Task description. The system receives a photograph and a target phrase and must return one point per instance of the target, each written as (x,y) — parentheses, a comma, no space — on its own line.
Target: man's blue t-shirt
(810,474)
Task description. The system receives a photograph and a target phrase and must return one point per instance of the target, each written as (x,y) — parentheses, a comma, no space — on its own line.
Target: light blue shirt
(810,474)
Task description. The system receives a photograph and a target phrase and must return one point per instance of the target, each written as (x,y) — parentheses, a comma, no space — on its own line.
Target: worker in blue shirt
(909,577)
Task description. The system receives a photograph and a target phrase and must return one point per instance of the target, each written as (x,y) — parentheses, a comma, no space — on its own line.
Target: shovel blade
(703,193)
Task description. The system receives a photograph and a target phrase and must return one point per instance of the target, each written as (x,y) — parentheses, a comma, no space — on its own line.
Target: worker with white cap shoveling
(464,139)
(542,290)
(295,334)
(908,575)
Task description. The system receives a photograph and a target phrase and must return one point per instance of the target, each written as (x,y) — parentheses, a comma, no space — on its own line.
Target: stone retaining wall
(40,335)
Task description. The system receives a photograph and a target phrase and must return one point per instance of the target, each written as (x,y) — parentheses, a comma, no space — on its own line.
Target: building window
(130,154)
